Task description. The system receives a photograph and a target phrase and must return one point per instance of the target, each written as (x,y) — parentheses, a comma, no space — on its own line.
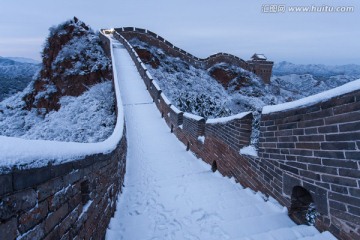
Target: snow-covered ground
(170,194)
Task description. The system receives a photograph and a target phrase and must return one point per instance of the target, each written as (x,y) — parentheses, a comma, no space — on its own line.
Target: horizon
(201,28)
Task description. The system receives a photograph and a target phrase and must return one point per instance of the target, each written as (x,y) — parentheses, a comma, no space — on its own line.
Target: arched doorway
(303,209)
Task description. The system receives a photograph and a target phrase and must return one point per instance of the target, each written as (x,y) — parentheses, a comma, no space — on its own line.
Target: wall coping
(227,119)
(39,153)
(175,109)
(313,99)
(166,100)
(193,116)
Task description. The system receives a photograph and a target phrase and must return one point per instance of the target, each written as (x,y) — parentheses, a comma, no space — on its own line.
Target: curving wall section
(158,41)
(309,149)
(61,190)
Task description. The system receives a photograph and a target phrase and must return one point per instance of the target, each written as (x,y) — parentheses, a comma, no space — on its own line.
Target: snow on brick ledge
(175,109)
(157,87)
(166,100)
(38,153)
(148,74)
(227,119)
(192,116)
(320,97)
(249,150)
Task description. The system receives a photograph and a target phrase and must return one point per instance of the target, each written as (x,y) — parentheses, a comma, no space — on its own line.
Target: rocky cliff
(73,60)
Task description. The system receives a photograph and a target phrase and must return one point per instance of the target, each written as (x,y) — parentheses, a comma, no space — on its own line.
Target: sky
(201,27)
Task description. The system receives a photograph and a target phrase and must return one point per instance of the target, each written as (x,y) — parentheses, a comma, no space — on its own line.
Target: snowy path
(170,194)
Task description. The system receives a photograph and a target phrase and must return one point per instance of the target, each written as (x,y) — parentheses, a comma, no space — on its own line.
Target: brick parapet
(74,199)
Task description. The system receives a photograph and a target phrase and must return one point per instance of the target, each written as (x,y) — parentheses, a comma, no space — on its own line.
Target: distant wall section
(262,69)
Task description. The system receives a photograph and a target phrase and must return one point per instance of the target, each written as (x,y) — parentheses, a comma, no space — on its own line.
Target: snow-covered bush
(311,214)
(190,89)
(87,118)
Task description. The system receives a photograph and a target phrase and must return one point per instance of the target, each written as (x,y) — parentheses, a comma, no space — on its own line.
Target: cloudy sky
(202,27)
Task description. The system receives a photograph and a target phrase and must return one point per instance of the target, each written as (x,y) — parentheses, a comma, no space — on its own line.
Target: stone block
(49,188)
(6,184)
(30,178)
(30,218)
(35,233)
(13,204)
(54,218)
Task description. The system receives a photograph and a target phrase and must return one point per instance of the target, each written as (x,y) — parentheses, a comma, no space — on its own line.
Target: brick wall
(315,147)
(73,200)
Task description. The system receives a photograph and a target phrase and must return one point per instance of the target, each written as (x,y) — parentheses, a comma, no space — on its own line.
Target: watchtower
(261,66)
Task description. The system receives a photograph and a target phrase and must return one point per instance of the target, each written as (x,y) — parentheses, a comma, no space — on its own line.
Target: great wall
(307,154)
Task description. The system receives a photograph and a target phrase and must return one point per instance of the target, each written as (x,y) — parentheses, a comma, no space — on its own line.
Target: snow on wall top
(227,119)
(166,100)
(320,97)
(175,109)
(193,116)
(156,85)
(149,75)
(38,153)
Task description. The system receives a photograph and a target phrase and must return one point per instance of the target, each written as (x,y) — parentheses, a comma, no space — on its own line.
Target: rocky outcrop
(147,57)
(230,77)
(72,61)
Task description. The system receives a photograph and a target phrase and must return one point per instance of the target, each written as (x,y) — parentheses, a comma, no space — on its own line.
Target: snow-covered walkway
(170,194)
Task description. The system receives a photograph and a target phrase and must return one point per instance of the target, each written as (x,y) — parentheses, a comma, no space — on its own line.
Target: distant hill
(15,74)
(317,70)
(24,60)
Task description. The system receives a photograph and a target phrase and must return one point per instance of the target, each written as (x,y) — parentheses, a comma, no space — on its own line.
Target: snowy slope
(194,89)
(186,86)
(170,194)
(15,75)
